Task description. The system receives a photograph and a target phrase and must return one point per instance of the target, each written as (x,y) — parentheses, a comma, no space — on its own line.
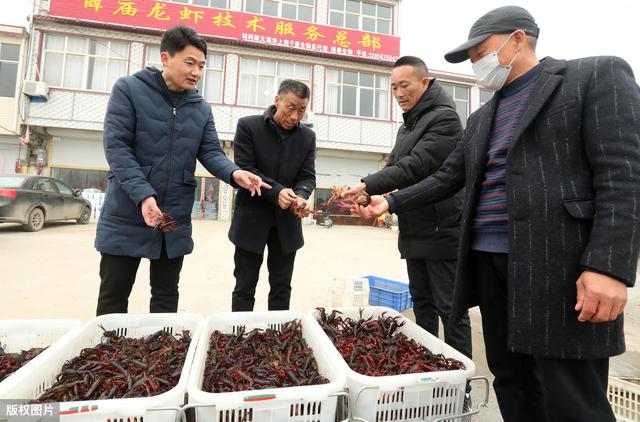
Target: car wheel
(35,221)
(85,216)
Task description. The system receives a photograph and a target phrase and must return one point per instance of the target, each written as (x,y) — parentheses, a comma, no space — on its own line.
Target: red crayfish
(166,223)
(376,347)
(260,359)
(11,362)
(121,367)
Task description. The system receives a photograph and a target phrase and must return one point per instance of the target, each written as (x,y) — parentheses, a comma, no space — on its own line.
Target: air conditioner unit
(36,89)
(308,118)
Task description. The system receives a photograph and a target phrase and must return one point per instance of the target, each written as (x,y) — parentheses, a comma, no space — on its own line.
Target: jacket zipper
(173,131)
(171,142)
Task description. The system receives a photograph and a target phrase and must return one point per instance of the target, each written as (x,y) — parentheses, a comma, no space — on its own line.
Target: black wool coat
(282,163)
(573,202)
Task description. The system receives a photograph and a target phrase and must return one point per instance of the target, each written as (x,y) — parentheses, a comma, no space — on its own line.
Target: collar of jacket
(550,77)
(268,116)
(149,75)
(434,96)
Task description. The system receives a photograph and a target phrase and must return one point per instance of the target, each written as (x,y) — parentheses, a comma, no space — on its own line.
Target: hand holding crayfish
(150,211)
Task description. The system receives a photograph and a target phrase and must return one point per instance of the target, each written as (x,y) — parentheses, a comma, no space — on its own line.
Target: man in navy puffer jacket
(155,128)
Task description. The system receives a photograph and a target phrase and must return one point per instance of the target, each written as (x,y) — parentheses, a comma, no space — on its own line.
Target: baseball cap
(502,20)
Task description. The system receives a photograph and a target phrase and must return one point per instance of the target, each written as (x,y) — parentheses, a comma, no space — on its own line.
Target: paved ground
(53,273)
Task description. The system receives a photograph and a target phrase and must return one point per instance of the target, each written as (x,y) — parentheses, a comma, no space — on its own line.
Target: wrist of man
(392,202)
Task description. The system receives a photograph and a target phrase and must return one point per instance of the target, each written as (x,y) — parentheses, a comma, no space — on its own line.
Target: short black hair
(291,85)
(179,37)
(419,66)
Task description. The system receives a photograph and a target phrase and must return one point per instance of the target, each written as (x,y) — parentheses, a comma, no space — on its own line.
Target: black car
(34,200)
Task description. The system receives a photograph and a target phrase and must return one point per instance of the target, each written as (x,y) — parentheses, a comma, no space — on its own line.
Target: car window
(11,182)
(45,186)
(63,188)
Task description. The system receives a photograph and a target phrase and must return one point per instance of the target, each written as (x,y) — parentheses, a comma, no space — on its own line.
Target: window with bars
(259,79)
(288,9)
(83,63)
(210,85)
(357,94)
(218,4)
(460,95)
(360,15)
(9,58)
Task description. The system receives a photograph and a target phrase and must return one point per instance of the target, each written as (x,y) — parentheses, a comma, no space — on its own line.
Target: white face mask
(489,72)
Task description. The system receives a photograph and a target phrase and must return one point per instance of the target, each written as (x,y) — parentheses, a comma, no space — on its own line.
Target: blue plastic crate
(390,293)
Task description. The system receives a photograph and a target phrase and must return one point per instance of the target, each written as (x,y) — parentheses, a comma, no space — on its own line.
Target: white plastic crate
(313,403)
(409,397)
(23,334)
(624,397)
(33,381)
(348,292)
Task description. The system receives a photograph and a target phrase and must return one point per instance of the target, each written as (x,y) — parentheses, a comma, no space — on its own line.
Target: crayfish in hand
(299,209)
(166,223)
(338,202)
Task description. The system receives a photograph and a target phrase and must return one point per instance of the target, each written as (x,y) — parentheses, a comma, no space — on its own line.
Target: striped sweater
(490,220)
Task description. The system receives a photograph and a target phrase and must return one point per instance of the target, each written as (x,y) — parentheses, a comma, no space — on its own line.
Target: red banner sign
(246,27)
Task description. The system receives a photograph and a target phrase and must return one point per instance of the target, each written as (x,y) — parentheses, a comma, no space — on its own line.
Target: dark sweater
(490,219)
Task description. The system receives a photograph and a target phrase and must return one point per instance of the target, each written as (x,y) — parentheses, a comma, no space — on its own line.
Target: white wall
(332,170)
(75,152)
(8,154)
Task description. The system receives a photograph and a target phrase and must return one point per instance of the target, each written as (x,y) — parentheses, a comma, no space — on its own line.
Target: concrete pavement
(54,273)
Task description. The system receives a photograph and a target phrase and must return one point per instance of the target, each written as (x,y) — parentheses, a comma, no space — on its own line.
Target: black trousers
(118,273)
(533,388)
(431,284)
(247,270)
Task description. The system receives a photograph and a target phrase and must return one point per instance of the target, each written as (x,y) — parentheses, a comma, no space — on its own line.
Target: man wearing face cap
(550,226)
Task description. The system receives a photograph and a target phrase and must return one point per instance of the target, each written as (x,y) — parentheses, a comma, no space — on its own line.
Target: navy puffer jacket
(151,147)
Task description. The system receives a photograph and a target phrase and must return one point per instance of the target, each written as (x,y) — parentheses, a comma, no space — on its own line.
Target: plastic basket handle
(472,411)
(182,415)
(176,409)
(355,404)
(346,396)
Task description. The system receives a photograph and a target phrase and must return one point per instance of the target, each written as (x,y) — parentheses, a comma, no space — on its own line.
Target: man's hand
(600,298)
(303,207)
(286,198)
(249,181)
(354,191)
(150,211)
(378,206)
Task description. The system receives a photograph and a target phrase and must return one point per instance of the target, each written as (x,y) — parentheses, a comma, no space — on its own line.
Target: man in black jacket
(551,169)
(429,235)
(282,152)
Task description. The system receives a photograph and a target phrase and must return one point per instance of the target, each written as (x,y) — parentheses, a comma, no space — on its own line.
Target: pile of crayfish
(375,347)
(121,367)
(11,362)
(338,202)
(260,359)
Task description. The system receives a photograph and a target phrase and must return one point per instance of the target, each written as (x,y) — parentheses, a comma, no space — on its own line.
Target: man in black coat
(551,170)
(282,152)
(429,235)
